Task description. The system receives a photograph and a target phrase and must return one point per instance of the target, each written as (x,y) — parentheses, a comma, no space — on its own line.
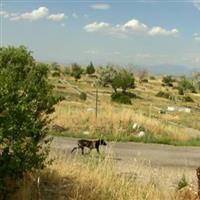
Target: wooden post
(198,179)
(96,101)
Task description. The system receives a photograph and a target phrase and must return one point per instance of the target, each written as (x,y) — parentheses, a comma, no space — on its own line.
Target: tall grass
(116,121)
(95,178)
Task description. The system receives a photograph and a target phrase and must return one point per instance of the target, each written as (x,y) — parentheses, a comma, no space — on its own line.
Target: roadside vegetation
(95,178)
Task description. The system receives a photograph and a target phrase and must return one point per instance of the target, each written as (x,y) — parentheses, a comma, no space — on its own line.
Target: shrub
(187,85)
(180,91)
(163,94)
(152,78)
(144,80)
(25,102)
(187,99)
(121,98)
(168,80)
(56,74)
(83,96)
(76,71)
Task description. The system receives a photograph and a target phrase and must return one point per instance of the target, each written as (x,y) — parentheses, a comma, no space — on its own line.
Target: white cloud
(161,31)
(56,17)
(40,13)
(101,6)
(36,14)
(98,27)
(197,4)
(133,26)
(74,15)
(196,36)
(5,14)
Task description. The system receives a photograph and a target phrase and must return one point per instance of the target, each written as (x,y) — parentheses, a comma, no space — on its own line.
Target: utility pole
(96,100)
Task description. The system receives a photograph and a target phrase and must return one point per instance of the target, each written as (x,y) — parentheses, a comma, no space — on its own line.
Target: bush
(25,102)
(56,74)
(83,96)
(76,71)
(144,80)
(187,85)
(187,99)
(121,98)
(152,78)
(168,80)
(180,91)
(163,94)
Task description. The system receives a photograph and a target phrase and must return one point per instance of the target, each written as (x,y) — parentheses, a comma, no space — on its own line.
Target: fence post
(96,101)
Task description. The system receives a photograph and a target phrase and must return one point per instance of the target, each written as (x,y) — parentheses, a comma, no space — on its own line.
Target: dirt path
(156,155)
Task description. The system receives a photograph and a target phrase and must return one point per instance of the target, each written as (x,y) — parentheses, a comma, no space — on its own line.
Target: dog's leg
(82,150)
(97,148)
(74,149)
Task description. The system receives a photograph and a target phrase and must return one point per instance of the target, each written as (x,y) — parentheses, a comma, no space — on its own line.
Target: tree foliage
(106,75)
(76,71)
(117,79)
(186,85)
(124,80)
(25,101)
(90,68)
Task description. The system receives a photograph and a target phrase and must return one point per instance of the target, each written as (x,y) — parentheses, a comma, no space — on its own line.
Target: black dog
(91,144)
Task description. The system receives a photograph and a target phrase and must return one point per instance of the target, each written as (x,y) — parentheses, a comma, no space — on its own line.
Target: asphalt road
(154,154)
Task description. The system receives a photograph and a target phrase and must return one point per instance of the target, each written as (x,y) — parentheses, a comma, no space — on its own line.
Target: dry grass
(92,178)
(114,120)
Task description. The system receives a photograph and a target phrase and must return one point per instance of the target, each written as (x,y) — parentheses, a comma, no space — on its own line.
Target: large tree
(25,101)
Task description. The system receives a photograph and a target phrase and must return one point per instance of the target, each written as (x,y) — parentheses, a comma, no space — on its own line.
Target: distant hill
(171,69)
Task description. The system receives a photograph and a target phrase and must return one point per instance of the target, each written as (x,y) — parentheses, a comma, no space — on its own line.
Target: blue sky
(123,32)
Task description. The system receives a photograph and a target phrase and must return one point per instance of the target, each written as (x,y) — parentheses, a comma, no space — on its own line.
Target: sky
(121,32)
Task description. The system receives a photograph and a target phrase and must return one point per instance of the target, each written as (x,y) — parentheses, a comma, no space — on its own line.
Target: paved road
(156,154)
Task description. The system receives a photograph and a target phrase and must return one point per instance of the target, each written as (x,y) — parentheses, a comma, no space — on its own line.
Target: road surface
(157,155)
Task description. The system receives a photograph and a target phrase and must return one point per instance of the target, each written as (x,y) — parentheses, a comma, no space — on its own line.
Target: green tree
(25,101)
(106,75)
(124,80)
(186,85)
(90,68)
(197,80)
(76,71)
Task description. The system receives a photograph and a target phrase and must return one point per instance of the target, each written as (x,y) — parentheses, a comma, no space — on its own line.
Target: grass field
(115,121)
(95,178)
